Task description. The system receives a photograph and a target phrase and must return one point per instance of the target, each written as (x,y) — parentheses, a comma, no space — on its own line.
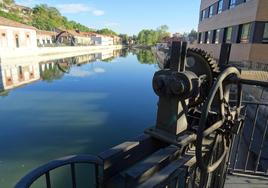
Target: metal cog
(201,63)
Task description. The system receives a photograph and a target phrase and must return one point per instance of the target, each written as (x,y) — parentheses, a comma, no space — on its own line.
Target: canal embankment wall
(49,53)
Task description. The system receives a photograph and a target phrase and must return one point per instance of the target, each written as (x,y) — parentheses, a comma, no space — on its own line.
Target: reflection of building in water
(85,58)
(14,75)
(106,54)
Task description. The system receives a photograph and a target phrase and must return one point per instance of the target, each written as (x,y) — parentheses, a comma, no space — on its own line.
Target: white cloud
(74,8)
(99,70)
(98,12)
(77,72)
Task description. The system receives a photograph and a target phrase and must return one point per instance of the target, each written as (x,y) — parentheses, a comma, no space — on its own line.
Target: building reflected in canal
(15,74)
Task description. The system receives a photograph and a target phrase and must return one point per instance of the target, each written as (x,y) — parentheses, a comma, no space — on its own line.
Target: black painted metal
(29,179)
(224,55)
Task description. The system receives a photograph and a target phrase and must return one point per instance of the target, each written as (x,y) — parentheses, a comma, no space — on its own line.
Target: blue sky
(128,16)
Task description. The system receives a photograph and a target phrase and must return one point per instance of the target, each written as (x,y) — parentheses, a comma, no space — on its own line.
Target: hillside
(43,17)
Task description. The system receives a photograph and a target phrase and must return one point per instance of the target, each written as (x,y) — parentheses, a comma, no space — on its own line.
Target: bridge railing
(71,161)
(249,153)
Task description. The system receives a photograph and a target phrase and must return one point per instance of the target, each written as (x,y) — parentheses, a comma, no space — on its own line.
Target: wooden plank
(146,168)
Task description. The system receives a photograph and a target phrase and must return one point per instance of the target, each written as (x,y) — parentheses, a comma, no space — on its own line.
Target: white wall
(9,41)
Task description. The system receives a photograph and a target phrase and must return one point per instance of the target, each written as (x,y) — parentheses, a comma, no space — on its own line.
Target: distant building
(15,35)
(103,40)
(81,38)
(45,38)
(70,37)
(243,23)
(116,40)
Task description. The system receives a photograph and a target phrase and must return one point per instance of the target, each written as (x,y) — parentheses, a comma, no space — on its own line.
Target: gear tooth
(213,66)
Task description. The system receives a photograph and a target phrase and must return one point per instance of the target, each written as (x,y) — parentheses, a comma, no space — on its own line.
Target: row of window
(218,7)
(243,36)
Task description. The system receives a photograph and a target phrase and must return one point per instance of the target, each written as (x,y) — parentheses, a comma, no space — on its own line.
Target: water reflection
(145,56)
(16,74)
(75,105)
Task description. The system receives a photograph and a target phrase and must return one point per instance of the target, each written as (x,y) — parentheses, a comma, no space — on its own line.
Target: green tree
(11,16)
(8,2)
(151,37)
(192,35)
(106,31)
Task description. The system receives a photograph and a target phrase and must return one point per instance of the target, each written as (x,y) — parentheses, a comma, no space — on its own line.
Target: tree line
(48,18)
(151,37)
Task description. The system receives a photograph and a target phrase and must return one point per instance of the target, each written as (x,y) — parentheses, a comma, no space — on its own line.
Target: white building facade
(14,35)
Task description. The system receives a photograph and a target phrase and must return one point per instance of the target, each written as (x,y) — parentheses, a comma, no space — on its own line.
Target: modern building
(243,23)
(15,35)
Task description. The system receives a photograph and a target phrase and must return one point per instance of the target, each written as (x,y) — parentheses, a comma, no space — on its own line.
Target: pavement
(233,181)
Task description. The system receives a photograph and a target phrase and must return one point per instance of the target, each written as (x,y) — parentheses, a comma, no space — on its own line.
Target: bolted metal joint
(181,85)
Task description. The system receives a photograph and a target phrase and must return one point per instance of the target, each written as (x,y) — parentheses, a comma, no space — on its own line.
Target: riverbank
(47,53)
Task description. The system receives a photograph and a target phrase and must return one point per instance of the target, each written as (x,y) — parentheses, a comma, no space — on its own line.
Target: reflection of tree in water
(124,52)
(51,73)
(146,56)
(4,93)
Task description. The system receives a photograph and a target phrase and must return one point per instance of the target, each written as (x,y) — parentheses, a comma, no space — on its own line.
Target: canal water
(77,105)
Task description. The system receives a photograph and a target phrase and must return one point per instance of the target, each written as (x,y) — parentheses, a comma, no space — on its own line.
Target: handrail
(29,179)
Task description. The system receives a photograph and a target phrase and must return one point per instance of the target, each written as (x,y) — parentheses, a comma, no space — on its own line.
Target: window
(244,33)
(220,6)
(228,35)
(28,36)
(216,36)
(17,41)
(203,14)
(3,34)
(207,37)
(265,34)
(232,3)
(211,9)
(199,38)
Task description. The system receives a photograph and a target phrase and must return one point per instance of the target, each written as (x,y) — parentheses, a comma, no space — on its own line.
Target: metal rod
(97,175)
(183,56)
(252,135)
(73,175)
(262,144)
(48,180)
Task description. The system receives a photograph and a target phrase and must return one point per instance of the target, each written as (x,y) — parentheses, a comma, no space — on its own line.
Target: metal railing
(33,176)
(249,153)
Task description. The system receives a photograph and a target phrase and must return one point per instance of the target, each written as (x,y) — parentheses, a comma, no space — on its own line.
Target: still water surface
(79,105)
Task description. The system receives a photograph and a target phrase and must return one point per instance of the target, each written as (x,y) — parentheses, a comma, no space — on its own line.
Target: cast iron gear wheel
(201,63)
